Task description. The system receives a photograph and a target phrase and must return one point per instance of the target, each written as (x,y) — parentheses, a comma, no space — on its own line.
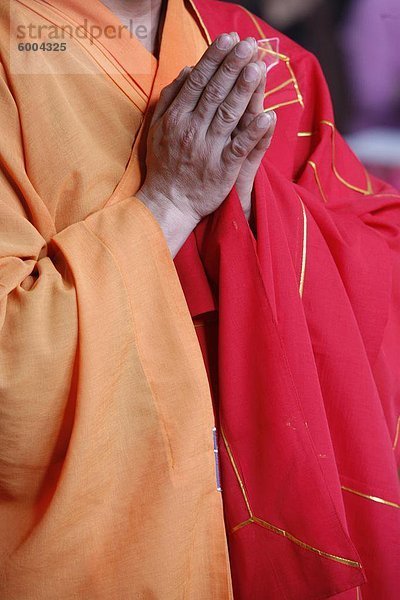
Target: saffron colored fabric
(300,329)
(107,481)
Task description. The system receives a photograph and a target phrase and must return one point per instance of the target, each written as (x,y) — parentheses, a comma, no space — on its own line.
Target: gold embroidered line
(243,524)
(236,470)
(344,561)
(373,498)
(358,594)
(368,191)
(199,17)
(278,87)
(275,106)
(295,540)
(256,520)
(295,83)
(281,56)
(317,179)
(305,133)
(304,254)
(396,437)
(261,32)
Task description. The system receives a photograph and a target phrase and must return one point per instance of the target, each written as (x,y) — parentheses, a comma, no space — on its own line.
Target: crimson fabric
(299,325)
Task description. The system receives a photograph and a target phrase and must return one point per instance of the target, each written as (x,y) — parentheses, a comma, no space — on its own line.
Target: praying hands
(208,132)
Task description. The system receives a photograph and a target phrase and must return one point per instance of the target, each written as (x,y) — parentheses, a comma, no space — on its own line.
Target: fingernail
(251,72)
(263,120)
(235,36)
(243,50)
(263,67)
(251,40)
(224,42)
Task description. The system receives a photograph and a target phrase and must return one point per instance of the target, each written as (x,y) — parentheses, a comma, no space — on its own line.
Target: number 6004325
(43,47)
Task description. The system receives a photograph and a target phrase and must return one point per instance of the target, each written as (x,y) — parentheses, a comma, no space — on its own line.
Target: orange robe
(107,484)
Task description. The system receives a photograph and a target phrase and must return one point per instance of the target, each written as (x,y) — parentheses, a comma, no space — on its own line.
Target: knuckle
(213,93)
(238,148)
(226,114)
(212,58)
(188,135)
(229,69)
(171,119)
(265,143)
(197,80)
(253,133)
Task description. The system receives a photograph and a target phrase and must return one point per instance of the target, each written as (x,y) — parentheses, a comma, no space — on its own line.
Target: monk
(275,330)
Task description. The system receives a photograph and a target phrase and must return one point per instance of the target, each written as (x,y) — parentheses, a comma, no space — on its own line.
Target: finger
(241,146)
(169,93)
(235,36)
(253,42)
(224,80)
(189,95)
(231,110)
(256,104)
(256,155)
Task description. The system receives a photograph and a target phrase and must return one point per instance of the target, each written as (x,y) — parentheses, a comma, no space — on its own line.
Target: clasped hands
(209,132)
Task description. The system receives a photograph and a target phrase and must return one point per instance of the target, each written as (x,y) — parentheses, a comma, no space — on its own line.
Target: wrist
(175,224)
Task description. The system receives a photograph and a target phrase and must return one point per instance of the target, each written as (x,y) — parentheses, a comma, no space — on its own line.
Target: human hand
(197,144)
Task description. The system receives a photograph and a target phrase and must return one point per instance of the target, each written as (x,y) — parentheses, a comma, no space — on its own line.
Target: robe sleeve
(38,325)
(105,414)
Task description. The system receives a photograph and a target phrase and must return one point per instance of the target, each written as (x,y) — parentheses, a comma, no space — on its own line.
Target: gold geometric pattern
(253,519)
(278,87)
(292,77)
(368,191)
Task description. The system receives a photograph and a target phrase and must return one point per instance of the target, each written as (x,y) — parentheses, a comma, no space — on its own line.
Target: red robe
(299,325)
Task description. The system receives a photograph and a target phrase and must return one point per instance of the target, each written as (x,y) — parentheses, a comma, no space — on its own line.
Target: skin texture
(208,132)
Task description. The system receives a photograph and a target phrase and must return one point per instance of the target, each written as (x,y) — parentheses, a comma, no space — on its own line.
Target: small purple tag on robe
(216,457)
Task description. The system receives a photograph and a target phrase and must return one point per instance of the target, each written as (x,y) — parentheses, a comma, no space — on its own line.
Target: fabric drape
(299,324)
(107,482)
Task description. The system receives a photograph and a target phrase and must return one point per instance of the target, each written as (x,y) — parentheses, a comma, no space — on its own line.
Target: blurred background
(358,45)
